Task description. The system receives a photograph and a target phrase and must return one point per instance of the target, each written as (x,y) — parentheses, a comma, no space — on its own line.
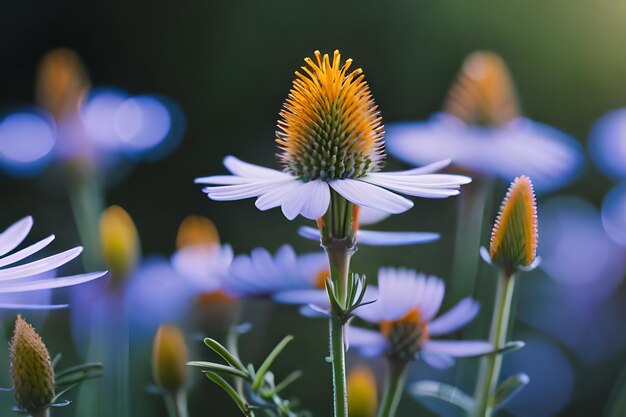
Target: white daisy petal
(309,232)
(309,199)
(426,169)
(42,265)
(433,298)
(26,252)
(460,348)
(373,238)
(368,342)
(9,306)
(369,195)
(51,283)
(276,196)
(369,215)
(248,170)
(455,318)
(312,296)
(222,180)
(15,234)
(413,188)
(241,191)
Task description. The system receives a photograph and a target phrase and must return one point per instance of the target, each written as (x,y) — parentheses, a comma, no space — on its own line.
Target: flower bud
(514,237)
(120,242)
(169,358)
(362,400)
(31,369)
(62,83)
(197,231)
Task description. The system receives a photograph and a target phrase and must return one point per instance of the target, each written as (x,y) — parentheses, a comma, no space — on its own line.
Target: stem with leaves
(393,390)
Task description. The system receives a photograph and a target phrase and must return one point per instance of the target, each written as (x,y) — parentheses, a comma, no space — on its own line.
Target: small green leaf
(290,379)
(239,400)
(443,392)
(219,368)
(509,389)
(258,378)
(511,346)
(224,353)
(334,302)
(79,373)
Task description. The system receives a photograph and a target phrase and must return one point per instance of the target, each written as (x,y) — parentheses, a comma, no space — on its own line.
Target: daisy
(264,274)
(19,278)
(368,216)
(331,140)
(405,313)
(481,129)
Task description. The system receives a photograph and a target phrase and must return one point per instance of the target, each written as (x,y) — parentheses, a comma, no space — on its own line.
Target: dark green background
(229,65)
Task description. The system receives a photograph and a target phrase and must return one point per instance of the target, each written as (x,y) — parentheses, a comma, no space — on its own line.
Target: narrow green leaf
(60,394)
(509,389)
(330,291)
(219,368)
(265,366)
(224,353)
(511,346)
(443,392)
(290,379)
(78,373)
(239,400)
(617,401)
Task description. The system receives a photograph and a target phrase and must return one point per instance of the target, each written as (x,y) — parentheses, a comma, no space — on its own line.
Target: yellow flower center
(483,93)
(406,335)
(329,126)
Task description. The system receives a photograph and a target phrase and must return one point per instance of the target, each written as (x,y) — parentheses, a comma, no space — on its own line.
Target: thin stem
(394,387)
(491,364)
(176,404)
(338,357)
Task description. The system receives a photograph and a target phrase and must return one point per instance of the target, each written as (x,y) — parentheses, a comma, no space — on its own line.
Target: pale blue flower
(607,143)
(411,301)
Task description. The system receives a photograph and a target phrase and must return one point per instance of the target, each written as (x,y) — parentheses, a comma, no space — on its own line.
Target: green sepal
(509,389)
(218,348)
(443,392)
(257,383)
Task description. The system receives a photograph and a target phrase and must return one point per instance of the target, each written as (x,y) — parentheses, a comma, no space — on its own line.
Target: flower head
(19,278)
(169,358)
(31,369)
(405,313)
(330,126)
(514,236)
(482,129)
(120,242)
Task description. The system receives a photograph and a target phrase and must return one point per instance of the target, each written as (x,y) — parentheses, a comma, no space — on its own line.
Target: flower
(261,274)
(481,129)
(368,215)
(120,242)
(15,279)
(405,313)
(606,143)
(31,369)
(515,236)
(330,137)
(362,392)
(169,358)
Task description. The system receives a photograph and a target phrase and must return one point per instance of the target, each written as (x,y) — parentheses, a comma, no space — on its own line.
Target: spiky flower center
(406,335)
(514,237)
(31,369)
(330,127)
(483,93)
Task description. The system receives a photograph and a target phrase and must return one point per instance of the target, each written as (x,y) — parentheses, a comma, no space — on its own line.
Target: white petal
(245,169)
(432,298)
(414,188)
(457,317)
(42,265)
(373,238)
(8,306)
(317,297)
(51,283)
(26,252)
(309,233)
(15,234)
(368,342)
(368,215)
(369,195)
(309,199)
(460,348)
(275,197)
(222,180)
(242,191)
(437,360)
(426,169)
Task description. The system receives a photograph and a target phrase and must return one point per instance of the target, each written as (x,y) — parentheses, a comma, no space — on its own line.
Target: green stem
(42,412)
(86,197)
(338,357)
(474,206)
(491,364)
(394,388)
(176,404)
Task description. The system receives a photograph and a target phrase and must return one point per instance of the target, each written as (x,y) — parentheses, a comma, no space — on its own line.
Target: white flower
(274,188)
(405,312)
(20,278)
